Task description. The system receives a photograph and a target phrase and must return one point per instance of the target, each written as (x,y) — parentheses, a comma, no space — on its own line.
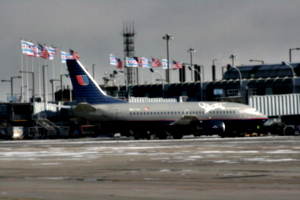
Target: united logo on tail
(82,79)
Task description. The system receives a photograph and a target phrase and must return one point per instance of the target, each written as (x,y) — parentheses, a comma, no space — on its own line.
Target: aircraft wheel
(148,136)
(136,136)
(289,131)
(177,135)
(162,135)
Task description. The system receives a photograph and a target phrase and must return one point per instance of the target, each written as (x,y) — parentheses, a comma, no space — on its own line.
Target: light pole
(191,51)
(240,79)
(290,53)
(61,84)
(10,99)
(202,68)
(284,63)
(33,90)
(199,73)
(11,84)
(93,71)
(168,37)
(262,62)
(51,81)
(162,80)
(232,57)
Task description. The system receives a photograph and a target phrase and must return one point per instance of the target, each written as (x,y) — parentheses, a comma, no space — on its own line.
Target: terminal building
(238,84)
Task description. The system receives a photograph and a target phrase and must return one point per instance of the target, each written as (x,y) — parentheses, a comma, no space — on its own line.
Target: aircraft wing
(185,120)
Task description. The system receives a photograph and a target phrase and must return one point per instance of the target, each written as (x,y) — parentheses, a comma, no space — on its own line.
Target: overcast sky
(251,29)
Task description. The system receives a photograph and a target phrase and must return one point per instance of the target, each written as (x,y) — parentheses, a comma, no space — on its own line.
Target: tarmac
(191,168)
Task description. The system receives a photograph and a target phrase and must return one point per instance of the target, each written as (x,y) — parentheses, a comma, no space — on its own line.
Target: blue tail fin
(85,89)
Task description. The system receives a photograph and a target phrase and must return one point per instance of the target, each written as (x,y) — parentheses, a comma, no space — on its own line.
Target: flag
(156,62)
(120,63)
(139,61)
(52,52)
(44,53)
(37,50)
(131,62)
(165,64)
(27,48)
(146,62)
(177,65)
(113,60)
(65,56)
(74,54)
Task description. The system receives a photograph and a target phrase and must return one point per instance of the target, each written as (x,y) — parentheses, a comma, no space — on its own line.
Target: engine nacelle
(213,127)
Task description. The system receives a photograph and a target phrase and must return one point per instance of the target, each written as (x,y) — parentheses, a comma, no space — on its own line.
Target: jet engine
(213,127)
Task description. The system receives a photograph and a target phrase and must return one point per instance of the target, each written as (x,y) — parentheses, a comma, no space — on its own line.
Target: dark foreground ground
(203,168)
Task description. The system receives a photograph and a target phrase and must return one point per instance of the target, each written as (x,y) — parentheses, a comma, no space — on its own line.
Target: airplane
(142,120)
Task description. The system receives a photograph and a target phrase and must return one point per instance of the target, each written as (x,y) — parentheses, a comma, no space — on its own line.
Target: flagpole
(162,67)
(60,62)
(46,88)
(142,71)
(40,93)
(27,88)
(32,69)
(21,70)
(53,77)
(45,79)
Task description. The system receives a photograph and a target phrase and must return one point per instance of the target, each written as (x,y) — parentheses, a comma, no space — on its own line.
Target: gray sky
(251,29)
